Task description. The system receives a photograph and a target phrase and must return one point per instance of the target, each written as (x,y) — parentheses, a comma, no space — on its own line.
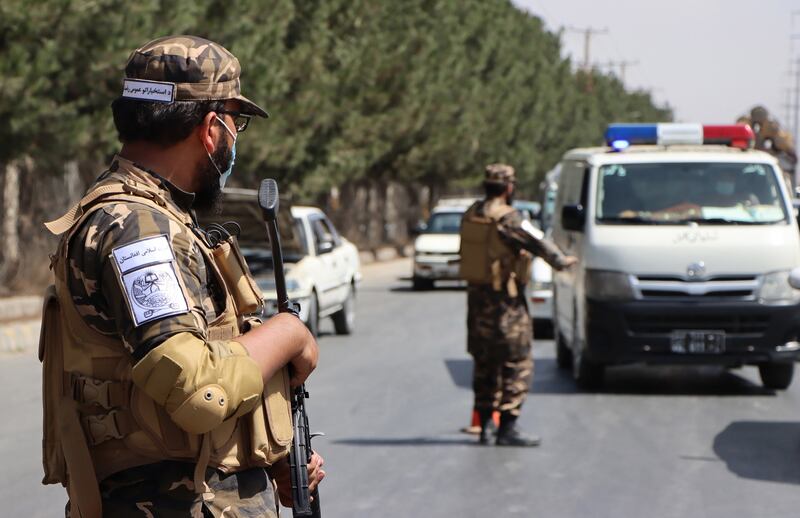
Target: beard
(209,197)
(510,196)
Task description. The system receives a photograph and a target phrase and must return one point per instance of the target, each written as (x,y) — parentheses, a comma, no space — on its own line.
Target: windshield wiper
(722,221)
(636,220)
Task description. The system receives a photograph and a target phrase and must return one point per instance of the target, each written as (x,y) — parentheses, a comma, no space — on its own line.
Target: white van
(685,251)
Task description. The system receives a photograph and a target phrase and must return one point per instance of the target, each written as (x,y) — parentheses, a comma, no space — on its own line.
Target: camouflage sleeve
(144,305)
(512,231)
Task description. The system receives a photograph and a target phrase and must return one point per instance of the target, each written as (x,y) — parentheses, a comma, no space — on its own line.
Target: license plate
(697,342)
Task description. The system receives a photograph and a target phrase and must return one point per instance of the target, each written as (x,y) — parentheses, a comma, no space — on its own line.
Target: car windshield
(444,223)
(703,193)
(242,208)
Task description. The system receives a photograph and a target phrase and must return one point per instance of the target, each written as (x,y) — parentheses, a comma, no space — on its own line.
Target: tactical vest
(97,422)
(485,258)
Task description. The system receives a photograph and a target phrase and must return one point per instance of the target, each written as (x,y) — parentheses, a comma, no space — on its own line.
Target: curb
(20,337)
(385,253)
(20,308)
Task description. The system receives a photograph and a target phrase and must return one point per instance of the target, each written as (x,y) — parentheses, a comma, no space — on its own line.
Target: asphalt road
(657,442)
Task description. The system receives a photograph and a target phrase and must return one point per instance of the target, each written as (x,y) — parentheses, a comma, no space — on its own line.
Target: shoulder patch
(528,227)
(149,279)
(151,250)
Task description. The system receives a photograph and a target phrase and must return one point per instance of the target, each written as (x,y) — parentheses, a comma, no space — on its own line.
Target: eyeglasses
(240,120)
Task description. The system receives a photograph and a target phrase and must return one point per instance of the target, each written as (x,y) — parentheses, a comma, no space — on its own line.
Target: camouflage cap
(499,173)
(185,68)
(759,114)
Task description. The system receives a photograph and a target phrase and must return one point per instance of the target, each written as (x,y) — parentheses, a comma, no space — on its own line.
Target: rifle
(303,503)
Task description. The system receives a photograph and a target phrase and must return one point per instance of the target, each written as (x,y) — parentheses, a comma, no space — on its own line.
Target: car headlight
(775,287)
(605,285)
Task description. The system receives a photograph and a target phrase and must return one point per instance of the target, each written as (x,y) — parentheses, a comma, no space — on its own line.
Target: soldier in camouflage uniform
(155,329)
(496,248)
(773,139)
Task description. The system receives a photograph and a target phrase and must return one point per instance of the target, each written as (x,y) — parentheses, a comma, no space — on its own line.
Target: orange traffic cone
(475,426)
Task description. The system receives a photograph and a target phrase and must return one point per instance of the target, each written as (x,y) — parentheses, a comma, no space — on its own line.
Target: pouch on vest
(524,263)
(246,295)
(53,389)
(271,428)
(475,265)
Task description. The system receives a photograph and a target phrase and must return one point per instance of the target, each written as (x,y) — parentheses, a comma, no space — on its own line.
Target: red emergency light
(734,135)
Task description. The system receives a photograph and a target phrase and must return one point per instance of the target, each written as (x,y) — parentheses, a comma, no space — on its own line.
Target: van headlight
(605,285)
(775,288)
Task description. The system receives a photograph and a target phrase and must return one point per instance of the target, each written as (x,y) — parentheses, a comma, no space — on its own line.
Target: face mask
(726,188)
(223,176)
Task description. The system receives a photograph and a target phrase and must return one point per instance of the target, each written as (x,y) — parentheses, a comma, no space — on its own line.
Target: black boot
(488,428)
(510,435)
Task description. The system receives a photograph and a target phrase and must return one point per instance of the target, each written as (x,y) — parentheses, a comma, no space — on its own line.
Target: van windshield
(675,193)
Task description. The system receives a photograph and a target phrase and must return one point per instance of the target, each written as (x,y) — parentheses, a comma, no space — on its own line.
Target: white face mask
(223,176)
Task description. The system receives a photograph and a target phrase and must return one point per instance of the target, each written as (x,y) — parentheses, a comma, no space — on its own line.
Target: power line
(587,32)
(623,66)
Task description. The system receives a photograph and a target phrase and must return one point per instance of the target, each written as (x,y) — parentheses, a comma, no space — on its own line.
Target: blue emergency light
(621,136)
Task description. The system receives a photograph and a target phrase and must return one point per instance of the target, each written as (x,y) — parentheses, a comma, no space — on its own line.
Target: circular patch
(156,290)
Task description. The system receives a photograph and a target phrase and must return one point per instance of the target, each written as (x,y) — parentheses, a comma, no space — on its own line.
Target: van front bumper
(644,331)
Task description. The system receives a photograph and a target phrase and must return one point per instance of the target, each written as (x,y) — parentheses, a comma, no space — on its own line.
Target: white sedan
(436,249)
(322,267)
(322,276)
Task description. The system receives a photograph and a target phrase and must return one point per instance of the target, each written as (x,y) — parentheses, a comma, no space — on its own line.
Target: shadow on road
(408,441)
(630,380)
(409,289)
(761,450)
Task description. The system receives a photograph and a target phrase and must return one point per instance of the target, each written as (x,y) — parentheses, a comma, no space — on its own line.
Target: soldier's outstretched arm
(521,234)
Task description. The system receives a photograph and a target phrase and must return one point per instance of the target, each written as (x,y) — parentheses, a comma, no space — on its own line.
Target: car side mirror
(325,247)
(794,278)
(573,217)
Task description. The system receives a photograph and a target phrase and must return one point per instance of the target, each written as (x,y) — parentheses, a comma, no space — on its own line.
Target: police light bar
(621,136)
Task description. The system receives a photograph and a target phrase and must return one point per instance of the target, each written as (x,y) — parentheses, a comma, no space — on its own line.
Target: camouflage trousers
(166,489)
(501,385)
(499,338)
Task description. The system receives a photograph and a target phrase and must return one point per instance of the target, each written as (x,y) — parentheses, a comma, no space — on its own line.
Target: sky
(710,60)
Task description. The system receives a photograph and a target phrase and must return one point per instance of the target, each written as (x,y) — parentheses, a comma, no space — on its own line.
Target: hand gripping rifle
(300,454)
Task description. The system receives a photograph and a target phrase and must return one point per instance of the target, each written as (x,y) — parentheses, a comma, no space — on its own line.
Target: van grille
(730,323)
(672,287)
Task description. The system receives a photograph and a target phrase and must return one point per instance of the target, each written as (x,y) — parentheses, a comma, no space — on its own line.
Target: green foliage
(421,90)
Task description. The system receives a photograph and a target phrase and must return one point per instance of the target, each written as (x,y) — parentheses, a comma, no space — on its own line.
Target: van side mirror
(794,278)
(573,217)
(325,247)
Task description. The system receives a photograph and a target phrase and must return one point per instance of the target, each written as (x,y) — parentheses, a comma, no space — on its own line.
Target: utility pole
(795,125)
(795,59)
(623,66)
(587,32)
